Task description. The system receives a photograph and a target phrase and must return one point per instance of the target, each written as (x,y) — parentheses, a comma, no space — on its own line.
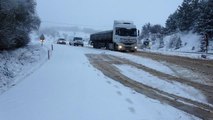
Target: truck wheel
(115,47)
(107,46)
(94,45)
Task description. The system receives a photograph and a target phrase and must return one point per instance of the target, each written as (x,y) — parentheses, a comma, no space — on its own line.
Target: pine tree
(145,30)
(186,15)
(156,29)
(204,23)
(171,23)
(195,12)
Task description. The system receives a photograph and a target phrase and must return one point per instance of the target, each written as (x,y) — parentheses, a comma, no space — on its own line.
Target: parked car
(61,41)
(77,41)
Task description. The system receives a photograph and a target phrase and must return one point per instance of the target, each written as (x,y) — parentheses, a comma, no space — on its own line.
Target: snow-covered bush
(161,43)
(18,19)
(181,41)
(175,42)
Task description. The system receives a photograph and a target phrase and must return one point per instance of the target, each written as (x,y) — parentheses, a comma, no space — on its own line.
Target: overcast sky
(100,14)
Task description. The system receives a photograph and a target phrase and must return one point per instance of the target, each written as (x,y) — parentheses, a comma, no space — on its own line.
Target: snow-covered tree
(145,30)
(155,29)
(149,29)
(184,17)
(161,43)
(18,19)
(204,22)
(175,42)
(171,23)
(187,14)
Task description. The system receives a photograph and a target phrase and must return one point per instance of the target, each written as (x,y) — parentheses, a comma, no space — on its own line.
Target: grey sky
(100,14)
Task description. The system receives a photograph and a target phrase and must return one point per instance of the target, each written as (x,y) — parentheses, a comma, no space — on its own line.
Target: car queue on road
(76,41)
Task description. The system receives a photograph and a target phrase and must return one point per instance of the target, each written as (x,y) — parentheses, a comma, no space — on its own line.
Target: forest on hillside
(191,15)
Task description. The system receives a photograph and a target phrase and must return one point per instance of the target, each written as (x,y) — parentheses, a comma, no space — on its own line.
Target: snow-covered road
(68,87)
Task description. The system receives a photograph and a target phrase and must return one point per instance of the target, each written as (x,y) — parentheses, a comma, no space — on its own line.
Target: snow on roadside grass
(182,54)
(169,87)
(17,64)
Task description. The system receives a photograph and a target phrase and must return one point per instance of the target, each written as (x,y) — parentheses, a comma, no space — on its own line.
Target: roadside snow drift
(15,65)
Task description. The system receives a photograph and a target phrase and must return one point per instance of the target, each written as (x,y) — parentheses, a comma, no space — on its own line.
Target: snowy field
(68,87)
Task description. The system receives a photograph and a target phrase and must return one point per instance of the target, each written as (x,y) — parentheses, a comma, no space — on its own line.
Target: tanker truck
(123,37)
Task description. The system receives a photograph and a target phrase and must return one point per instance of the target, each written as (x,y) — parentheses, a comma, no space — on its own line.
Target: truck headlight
(136,47)
(120,47)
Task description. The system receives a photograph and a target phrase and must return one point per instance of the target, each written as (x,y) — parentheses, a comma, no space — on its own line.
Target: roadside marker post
(48,54)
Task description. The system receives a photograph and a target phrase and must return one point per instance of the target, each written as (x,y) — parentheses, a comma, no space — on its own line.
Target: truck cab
(125,35)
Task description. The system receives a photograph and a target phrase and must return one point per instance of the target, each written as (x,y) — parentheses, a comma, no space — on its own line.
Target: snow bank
(189,42)
(181,44)
(16,64)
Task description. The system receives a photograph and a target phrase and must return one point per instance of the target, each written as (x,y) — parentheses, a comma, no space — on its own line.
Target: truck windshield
(126,32)
(77,38)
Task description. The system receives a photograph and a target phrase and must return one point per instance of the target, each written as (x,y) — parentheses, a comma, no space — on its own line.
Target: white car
(61,41)
(77,41)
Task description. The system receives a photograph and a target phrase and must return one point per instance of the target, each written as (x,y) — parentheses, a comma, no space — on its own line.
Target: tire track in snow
(105,64)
